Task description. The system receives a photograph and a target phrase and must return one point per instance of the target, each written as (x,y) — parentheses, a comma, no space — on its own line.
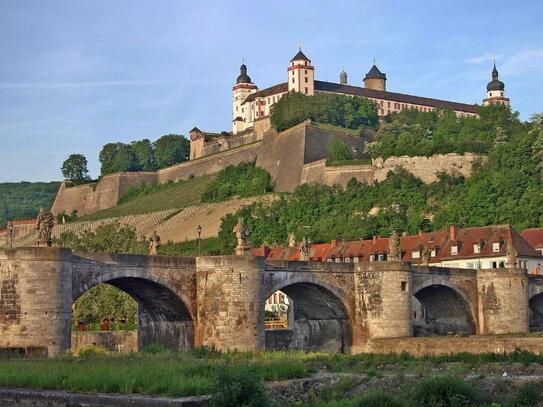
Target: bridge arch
(320,320)
(535,305)
(164,313)
(444,309)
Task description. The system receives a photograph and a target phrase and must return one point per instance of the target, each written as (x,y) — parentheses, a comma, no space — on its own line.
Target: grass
(146,199)
(326,126)
(339,163)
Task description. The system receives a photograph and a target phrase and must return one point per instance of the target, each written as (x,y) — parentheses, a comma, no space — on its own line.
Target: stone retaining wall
(114,341)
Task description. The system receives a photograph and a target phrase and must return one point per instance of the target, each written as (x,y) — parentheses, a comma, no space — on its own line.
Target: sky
(75,75)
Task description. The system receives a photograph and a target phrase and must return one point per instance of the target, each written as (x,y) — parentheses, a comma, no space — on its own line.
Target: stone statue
(154,244)
(292,240)
(394,250)
(426,256)
(240,230)
(304,250)
(511,254)
(44,224)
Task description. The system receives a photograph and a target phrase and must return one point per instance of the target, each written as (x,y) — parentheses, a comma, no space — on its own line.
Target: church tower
(495,91)
(301,75)
(375,79)
(243,88)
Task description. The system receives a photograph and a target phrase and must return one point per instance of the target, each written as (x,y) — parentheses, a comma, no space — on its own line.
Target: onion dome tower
(375,79)
(243,88)
(495,91)
(301,74)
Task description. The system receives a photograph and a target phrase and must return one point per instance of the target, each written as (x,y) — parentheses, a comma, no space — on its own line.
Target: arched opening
(316,321)
(536,313)
(440,310)
(162,317)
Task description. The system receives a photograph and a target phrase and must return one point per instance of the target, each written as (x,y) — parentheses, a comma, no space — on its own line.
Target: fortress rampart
(292,157)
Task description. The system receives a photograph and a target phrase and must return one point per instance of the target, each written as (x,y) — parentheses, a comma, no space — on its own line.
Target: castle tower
(301,75)
(243,88)
(343,78)
(375,79)
(495,91)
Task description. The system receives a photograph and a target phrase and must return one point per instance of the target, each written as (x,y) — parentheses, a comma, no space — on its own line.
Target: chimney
(266,251)
(404,233)
(374,239)
(453,232)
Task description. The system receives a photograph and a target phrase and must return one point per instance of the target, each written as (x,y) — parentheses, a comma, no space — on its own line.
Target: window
(493,264)
(372,257)
(338,260)
(306,89)
(476,249)
(355,259)
(329,261)
(454,250)
(433,253)
(415,254)
(305,79)
(347,259)
(388,105)
(381,257)
(305,71)
(490,93)
(403,285)
(292,80)
(496,247)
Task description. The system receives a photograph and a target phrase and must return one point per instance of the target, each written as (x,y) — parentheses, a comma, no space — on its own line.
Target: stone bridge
(219,301)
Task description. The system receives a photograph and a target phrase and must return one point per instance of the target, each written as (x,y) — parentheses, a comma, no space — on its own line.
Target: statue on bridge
(154,244)
(304,249)
(394,250)
(240,230)
(512,255)
(44,224)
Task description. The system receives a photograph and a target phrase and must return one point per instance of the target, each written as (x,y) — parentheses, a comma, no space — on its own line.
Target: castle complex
(249,104)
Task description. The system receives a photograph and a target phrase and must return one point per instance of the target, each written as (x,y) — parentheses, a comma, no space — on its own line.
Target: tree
(143,149)
(339,150)
(75,168)
(171,149)
(117,157)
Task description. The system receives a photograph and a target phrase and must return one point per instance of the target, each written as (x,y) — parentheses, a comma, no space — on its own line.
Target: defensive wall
(293,157)
(219,301)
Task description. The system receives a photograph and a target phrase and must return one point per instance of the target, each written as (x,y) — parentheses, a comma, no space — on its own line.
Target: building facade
(249,104)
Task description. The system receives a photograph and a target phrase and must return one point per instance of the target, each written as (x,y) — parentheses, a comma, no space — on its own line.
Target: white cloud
(523,62)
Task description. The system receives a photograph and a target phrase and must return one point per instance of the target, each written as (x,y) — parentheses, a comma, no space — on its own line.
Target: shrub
(90,351)
(240,387)
(446,391)
(154,349)
(377,398)
(339,150)
(528,395)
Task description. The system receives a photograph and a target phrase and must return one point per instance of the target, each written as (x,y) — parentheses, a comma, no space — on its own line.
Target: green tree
(105,301)
(117,157)
(171,149)
(75,168)
(339,150)
(145,154)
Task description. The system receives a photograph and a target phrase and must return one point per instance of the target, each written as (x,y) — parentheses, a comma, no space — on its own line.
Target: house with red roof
(534,236)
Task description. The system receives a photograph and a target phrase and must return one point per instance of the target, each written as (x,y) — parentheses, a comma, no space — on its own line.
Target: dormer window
(476,248)
(454,250)
(496,247)
(372,257)
(415,254)
(433,253)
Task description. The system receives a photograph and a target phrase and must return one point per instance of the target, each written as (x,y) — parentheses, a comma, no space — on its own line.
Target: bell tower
(301,75)
(495,91)
(243,88)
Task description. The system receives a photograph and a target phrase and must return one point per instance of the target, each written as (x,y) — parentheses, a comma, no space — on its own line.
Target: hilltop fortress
(296,155)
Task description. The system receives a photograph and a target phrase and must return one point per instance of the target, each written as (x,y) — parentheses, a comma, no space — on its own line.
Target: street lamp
(10,234)
(199,230)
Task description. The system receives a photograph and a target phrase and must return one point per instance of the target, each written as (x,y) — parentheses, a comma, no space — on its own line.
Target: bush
(446,391)
(243,180)
(339,150)
(154,349)
(90,351)
(528,395)
(240,387)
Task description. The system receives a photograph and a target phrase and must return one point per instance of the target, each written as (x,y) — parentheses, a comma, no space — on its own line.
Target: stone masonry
(219,301)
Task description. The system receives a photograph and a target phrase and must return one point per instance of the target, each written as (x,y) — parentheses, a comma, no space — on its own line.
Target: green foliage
(339,150)
(528,395)
(22,200)
(63,217)
(508,188)
(241,387)
(108,238)
(89,351)
(171,149)
(414,133)
(75,168)
(243,180)
(117,157)
(446,391)
(339,110)
(145,154)
(210,247)
(105,301)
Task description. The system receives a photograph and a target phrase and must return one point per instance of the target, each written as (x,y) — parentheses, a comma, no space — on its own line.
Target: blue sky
(75,75)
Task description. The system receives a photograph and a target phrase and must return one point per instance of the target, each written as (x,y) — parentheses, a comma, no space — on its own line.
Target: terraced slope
(163,197)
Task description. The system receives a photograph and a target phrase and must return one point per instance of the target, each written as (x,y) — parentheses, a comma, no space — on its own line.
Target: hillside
(22,200)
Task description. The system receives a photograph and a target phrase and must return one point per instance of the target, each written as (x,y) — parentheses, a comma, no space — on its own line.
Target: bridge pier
(382,301)
(35,300)
(229,295)
(502,301)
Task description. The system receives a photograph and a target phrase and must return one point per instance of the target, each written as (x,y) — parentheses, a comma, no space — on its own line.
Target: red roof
(534,236)
(438,242)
